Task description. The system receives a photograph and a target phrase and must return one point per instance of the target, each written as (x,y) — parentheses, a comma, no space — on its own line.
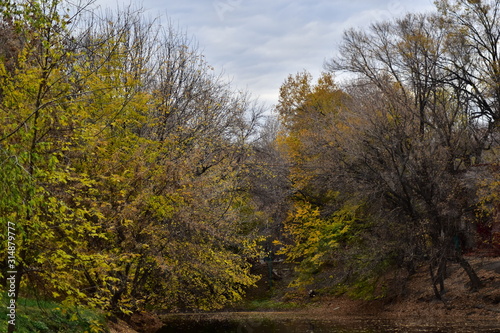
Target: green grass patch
(269,304)
(38,316)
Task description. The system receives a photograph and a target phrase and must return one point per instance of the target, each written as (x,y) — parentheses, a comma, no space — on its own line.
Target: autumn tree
(269,187)
(472,65)
(322,221)
(171,150)
(123,159)
(39,124)
(398,140)
(472,60)
(414,134)
(307,112)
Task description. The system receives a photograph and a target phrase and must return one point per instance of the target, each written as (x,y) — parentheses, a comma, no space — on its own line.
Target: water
(266,324)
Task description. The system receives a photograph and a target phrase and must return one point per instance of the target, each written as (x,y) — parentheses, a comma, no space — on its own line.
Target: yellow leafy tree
(316,239)
(323,221)
(40,123)
(121,167)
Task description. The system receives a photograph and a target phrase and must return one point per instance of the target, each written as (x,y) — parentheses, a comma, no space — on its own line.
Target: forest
(134,177)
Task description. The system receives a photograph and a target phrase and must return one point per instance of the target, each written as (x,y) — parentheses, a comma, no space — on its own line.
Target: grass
(38,316)
(269,304)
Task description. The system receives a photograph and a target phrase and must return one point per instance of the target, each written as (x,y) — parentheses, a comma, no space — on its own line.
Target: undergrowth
(39,316)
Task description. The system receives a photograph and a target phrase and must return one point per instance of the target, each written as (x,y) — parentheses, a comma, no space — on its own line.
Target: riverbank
(417,305)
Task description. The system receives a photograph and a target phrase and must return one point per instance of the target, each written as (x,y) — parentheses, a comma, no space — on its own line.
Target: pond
(275,324)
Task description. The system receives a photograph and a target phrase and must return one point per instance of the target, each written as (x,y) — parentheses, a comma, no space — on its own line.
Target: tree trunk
(439,277)
(475,281)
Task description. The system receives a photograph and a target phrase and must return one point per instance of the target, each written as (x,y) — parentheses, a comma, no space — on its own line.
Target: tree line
(397,165)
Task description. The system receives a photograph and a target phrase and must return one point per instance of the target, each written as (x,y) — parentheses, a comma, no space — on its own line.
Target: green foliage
(317,240)
(269,304)
(45,316)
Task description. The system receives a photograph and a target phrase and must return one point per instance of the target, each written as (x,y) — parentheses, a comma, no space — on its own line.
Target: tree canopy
(122,161)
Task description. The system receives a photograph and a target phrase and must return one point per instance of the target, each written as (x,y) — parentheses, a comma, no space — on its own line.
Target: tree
(308,113)
(412,134)
(472,40)
(323,221)
(123,159)
(170,151)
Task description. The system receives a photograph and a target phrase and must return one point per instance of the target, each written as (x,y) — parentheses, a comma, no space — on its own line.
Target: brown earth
(459,302)
(139,322)
(119,326)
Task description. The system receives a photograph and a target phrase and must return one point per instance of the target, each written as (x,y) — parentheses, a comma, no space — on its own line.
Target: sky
(258,43)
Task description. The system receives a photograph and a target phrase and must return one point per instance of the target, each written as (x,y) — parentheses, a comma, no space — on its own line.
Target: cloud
(258,43)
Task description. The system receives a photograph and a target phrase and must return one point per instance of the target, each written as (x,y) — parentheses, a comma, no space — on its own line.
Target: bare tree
(411,134)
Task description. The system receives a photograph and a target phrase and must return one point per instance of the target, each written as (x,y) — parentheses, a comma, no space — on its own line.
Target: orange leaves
(310,115)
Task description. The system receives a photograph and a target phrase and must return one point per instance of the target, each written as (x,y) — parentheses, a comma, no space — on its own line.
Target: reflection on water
(266,325)
(253,326)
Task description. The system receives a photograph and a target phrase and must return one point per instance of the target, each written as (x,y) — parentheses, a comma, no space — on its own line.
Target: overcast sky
(258,43)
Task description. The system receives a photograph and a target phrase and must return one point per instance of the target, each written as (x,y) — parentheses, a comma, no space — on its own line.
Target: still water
(263,324)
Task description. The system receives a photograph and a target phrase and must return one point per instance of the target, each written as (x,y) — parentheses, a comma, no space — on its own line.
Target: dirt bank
(418,301)
(139,322)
